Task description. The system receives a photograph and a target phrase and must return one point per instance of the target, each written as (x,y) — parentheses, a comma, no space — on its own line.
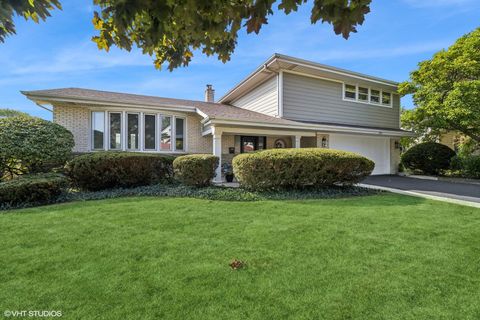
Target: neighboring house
(286,102)
(452,139)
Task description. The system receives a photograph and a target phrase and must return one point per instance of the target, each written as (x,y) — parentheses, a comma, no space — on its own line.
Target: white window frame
(172,131)
(141,134)
(139,131)
(105,130)
(369,102)
(122,130)
(156,131)
(184,133)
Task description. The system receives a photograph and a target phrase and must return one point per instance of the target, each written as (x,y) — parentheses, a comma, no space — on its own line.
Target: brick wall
(75,119)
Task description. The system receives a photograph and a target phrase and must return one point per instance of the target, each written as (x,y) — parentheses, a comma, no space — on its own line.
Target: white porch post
(217,151)
(297,142)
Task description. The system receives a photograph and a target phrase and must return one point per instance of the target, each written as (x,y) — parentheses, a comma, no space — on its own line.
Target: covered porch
(228,141)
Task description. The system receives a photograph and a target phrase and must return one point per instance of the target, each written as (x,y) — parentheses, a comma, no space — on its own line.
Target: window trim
(175,133)
(141,134)
(105,132)
(139,147)
(369,101)
(156,131)
(122,130)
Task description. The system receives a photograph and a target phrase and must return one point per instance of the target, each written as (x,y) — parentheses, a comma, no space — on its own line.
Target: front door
(252,143)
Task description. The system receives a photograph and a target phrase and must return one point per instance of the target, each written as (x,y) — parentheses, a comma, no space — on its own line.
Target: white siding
(262,99)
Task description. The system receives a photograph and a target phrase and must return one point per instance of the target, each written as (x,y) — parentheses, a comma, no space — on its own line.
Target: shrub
(468,166)
(32,189)
(106,170)
(29,144)
(428,157)
(299,168)
(195,169)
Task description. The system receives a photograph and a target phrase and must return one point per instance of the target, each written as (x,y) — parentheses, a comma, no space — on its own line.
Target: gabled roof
(205,109)
(279,62)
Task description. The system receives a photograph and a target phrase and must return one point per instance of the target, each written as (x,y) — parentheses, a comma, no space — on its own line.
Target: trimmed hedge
(195,169)
(300,168)
(107,170)
(428,157)
(32,189)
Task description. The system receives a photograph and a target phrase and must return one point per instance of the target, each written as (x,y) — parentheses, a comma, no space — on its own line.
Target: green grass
(376,257)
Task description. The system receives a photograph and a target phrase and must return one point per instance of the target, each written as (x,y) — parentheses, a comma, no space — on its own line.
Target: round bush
(428,157)
(29,144)
(31,189)
(300,168)
(195,169)
(107,170)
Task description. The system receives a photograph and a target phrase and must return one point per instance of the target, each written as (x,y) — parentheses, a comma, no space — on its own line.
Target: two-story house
(285,103)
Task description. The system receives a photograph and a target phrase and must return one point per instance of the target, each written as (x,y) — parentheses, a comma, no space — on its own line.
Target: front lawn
(375,257)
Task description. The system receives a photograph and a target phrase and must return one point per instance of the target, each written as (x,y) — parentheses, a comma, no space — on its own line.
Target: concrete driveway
(445,189)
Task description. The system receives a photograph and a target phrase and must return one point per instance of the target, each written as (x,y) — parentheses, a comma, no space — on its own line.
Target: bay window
(115,123)
(98,130)
(137,131)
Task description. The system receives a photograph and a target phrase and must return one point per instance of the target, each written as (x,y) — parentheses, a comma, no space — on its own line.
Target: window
(132,131)
(363,94)
(149,123)
(98,130)
(252,143)
(350,92)
(166,133)
(386,98)
(115,130)
(374,96)
(179,133)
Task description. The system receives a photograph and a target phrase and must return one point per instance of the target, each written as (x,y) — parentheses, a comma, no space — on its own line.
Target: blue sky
(396,35)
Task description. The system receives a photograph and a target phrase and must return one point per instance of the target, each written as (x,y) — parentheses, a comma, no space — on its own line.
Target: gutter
(48,99)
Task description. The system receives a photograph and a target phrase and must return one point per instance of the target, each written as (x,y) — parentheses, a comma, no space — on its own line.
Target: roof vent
(209,93)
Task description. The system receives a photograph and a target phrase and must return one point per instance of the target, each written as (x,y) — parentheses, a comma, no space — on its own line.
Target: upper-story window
(350,92)
(367,95)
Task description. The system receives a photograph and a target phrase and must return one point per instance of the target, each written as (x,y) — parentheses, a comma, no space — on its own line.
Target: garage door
(376,149)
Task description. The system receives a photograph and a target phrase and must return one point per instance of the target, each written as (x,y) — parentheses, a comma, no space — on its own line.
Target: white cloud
(82,57)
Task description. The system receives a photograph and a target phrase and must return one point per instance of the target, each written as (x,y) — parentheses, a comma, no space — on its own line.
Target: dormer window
(350,92)
(367,95)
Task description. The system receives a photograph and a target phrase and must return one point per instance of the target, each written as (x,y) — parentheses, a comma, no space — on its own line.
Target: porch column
(217,151)
(296,143)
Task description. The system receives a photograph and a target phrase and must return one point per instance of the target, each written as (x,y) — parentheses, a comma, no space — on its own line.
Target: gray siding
(311,99)
(263,99)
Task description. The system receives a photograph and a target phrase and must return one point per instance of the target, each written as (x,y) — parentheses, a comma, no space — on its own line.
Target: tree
(170,31)
(29,9)
(446,91)
(11,113)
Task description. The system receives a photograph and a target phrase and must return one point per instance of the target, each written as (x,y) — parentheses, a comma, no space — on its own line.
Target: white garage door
(376,149)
